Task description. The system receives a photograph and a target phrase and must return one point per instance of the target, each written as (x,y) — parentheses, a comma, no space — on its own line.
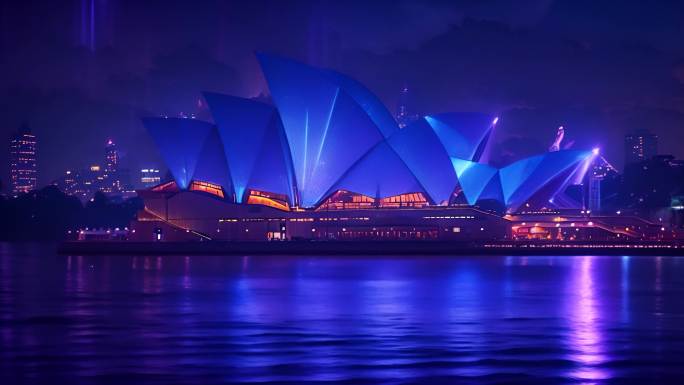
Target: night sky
(79,71)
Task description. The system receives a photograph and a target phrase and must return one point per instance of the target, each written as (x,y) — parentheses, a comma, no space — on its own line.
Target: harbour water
(339,320)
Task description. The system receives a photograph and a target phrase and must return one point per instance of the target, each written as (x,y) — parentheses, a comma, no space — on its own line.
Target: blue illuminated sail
(254,143)
(327,130)
(180,142)
(425,156)
(380,173)
(464,135)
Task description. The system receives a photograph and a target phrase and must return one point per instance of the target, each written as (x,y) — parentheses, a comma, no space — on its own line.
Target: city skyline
(640,145)
(106,176)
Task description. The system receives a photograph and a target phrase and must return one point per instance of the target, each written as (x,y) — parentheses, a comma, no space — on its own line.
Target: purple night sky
(81,71)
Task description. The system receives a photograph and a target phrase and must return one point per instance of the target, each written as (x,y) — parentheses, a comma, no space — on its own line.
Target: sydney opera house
(326,160)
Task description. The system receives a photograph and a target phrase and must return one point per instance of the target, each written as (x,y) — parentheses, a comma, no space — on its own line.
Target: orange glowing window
(343,199)
(166,187)
(277,201)
(257,200)
(404,200)
(207,187)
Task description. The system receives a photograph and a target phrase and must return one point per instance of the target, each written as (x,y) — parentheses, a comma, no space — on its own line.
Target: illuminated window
(343,199)
(404,200)
(277,201)
(207,187)
(166,187)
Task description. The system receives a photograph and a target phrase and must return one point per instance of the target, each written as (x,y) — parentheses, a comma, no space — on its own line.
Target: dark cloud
(174,82)
(654,24)
(380,27)
(91,99)
(599,68)
(535,81)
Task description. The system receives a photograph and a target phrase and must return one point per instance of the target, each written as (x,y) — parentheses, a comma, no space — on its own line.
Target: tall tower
(599,171)
(23,161)
(641,145)
(112,182)
(560,134)
(404,114)
(595,178)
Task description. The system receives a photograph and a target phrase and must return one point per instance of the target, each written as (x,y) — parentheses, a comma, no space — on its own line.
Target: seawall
(368,248)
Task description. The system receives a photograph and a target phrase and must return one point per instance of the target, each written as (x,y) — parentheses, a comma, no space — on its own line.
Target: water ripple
(307,320)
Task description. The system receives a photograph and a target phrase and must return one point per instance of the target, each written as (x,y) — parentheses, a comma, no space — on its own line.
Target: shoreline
(368,248)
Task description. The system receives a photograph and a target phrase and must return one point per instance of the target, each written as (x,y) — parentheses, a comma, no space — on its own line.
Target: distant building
(23,168)
(405,115)
(89,181)
(150,177)
(594,203)
(111,178)
(81,183)
(653,183)
(602,173)
(125,180)
(639,146)
(68,182)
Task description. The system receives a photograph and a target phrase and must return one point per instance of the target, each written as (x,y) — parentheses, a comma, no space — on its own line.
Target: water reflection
(658,286)
(624,289)
(585,337)
(6,294)
(187,281)
(291,319)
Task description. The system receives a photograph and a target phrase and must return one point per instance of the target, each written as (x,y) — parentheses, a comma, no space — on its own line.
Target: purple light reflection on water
(624,289)
(187,281)
(205,319)
(585,338)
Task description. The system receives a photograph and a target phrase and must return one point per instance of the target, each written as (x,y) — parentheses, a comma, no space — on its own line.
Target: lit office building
(22,153)
(639,146)
(149,177)
(81,183)
(111,178)
(68,183)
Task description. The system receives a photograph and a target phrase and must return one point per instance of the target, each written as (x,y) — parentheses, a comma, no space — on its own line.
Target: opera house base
(351,248)
(195,223)
(197,216)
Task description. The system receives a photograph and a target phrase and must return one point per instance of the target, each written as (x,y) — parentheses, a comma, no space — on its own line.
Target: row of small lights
(595,246)
(590,223)
(108,231)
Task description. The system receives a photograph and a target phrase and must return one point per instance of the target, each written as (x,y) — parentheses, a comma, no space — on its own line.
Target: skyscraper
(67,182)
(641,145)
(112,182)
(600,172)
(23,161)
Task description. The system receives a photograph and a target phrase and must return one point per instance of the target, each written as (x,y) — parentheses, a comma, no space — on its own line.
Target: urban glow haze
(80,72)
(341,192)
